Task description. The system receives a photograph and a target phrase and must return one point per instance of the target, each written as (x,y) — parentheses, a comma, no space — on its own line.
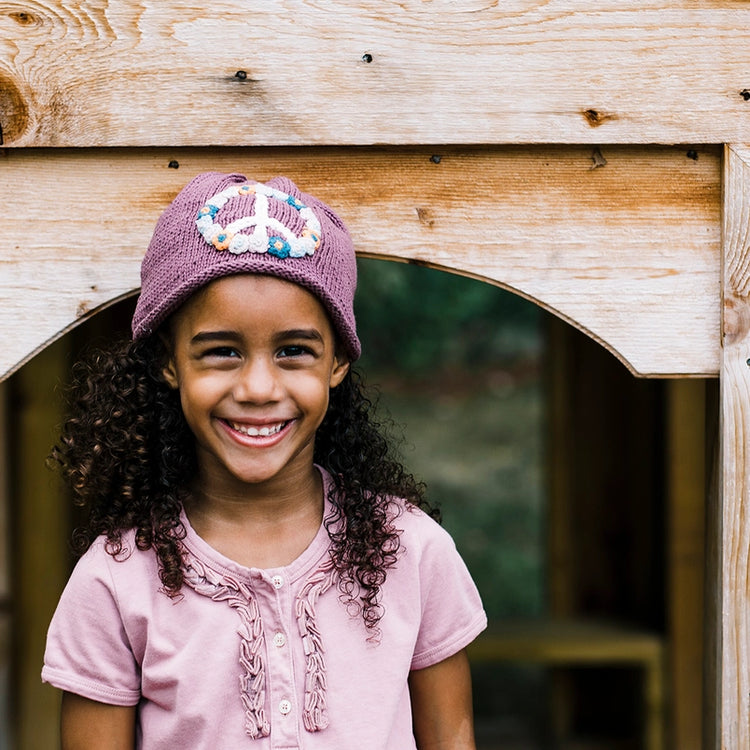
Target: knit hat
(224,224)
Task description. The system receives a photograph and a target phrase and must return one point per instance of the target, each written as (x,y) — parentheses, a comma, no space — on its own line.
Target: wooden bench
(583,643)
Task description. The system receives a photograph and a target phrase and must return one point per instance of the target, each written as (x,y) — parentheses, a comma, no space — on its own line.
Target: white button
(277,582)
(285,707)
(279,640)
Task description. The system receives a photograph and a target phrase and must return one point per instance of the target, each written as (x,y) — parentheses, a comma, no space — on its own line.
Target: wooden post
(5,618)
(41,523)
(732,685)
(686,496)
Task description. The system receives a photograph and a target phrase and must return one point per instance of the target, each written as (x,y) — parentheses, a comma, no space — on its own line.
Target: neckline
(203,551)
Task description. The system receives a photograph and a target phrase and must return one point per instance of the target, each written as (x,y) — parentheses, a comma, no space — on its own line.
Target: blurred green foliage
(416,320)
(457,362)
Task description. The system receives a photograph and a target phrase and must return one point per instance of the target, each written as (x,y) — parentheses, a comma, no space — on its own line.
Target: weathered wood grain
(296,72)
(628,251)
(734,550)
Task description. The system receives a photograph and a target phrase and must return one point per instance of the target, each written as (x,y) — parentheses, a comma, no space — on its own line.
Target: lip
(256,433)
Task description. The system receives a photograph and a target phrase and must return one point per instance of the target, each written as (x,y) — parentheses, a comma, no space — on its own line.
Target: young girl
(258,571)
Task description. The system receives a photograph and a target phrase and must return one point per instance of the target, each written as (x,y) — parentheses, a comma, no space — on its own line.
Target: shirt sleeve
(88,651)
(452,612)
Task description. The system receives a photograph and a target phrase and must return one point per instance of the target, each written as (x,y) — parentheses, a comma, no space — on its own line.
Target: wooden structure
(591,158)
(573,643)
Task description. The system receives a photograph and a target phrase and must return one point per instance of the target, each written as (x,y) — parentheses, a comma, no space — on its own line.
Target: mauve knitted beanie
(224,224)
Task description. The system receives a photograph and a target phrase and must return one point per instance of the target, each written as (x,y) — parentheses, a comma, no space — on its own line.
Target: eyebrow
(206,336)
(307,334)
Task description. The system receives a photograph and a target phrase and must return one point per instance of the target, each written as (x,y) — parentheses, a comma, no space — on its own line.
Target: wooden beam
(732,600)
(249,72)
(622,242)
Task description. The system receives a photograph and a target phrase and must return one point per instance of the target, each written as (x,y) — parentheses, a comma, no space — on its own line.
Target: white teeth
(257,431)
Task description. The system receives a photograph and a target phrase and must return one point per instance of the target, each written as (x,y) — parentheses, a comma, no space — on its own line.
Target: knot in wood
(736,319)
(23,18)
(425,216)
(14,112)
(595,118)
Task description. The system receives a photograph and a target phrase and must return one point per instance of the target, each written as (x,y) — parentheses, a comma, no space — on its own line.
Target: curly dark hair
(128,455)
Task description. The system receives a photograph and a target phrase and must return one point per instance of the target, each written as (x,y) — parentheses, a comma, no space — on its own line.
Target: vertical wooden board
(712,593)
(559,465)
(41,532)
(4,497)
(686,493)
(734,534)
(5,621)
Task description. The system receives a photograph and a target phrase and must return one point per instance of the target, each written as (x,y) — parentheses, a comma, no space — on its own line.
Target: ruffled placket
(230,590)
(315,712)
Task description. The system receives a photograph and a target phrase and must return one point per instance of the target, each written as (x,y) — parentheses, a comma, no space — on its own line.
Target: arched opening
(548,458)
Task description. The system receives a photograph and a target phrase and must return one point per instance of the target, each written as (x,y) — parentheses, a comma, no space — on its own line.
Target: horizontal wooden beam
(623,242)
(250,72)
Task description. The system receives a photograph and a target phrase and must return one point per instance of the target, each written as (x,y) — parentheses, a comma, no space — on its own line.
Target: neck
(261,527)
(254,501)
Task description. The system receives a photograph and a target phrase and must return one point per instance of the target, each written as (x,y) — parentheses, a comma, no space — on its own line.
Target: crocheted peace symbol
(269,235)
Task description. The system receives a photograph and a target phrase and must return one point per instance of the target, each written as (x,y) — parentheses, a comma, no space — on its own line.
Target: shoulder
(103,551)
(424,545)
(418,531)
(430,571)
(104,566)
(92,644)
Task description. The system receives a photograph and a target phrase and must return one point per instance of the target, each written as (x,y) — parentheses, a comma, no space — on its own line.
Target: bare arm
(89,725)
(441,705)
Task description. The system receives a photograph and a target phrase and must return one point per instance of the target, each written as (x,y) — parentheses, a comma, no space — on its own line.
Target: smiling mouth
(265,431)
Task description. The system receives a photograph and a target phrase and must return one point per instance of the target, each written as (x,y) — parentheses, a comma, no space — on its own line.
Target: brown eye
(294,350)
(221,351)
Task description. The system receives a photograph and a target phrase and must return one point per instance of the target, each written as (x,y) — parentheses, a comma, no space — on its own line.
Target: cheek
(313,393)
(197,396)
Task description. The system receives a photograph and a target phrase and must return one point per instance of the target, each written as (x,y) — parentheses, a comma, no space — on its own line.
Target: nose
(257,381)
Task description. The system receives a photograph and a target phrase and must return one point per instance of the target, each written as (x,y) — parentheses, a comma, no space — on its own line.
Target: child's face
(253,358)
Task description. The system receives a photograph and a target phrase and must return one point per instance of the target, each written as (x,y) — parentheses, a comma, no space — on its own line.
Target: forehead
(252,302)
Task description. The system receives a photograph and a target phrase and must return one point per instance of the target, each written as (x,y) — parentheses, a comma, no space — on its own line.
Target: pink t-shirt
(261,658)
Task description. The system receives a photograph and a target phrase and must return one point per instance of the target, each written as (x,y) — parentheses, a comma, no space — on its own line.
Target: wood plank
(520,71)
(734,551)
(6,715)
(712,619)
(566,641)
(686,511)
(41,534)
(5,603)
(628,251)
(560,469)
(5,500)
